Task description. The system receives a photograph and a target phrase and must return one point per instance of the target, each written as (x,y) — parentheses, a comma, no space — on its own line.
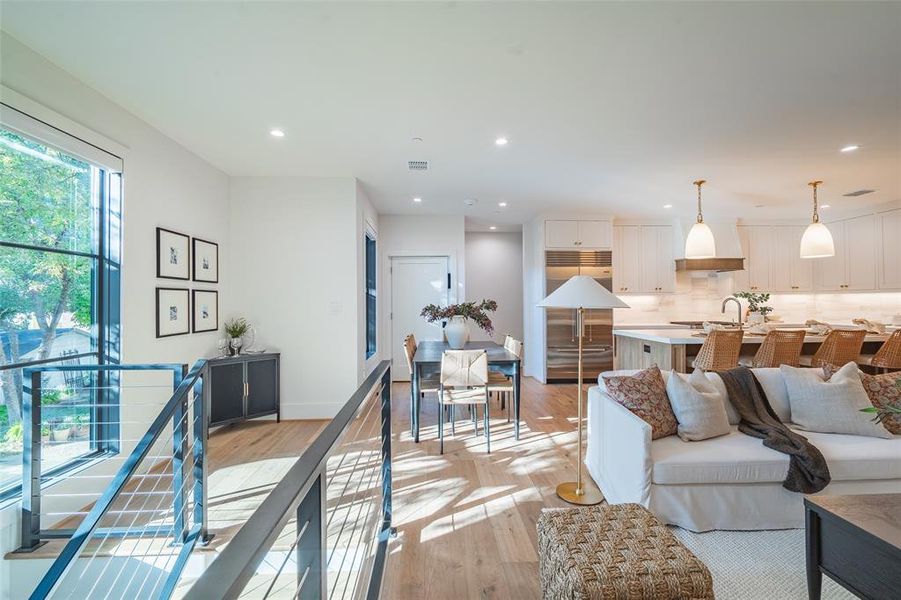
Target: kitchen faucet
(737,303)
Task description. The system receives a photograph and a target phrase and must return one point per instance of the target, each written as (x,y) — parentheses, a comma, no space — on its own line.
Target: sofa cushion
(740,458)
(698,405)
(717,383)
(773,385)
(644,394)
(831,406)
(882,390)
(627,372)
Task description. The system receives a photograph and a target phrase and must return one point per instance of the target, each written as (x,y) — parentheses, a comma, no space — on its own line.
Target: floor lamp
(581,292)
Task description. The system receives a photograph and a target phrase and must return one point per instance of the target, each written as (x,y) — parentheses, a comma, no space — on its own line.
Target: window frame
(105,255)
(370,258)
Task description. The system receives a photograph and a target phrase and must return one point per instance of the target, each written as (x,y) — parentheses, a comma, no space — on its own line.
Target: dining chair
(889,354)
(502,385)
(464,380)
(779,347)
(428,383)
(720,350)
(840,347)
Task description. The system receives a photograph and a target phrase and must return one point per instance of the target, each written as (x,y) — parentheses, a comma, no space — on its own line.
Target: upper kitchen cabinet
(790,272)
(757,246)
(889,233)
(578,235)
(643,259)
(853,268)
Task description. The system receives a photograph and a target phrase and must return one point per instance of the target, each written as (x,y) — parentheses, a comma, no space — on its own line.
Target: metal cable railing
(323,531)
(136,538)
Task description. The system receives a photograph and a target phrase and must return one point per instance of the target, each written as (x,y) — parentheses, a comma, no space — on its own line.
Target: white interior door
(415,282)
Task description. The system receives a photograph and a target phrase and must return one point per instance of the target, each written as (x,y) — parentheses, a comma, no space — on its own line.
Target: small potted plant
(458,317)
(235,329)
(757,308)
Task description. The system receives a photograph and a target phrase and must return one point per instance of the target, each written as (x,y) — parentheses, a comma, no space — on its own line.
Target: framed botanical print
(172,254)
(206,310)
(172,312)
(206,261)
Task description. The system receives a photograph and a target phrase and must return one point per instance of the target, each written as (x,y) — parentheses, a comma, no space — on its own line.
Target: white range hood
(729,256)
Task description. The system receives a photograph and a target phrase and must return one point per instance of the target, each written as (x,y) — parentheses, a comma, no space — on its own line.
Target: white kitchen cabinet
(790,272)
(643,259)
(889,236)
(578,235)
(853,268)
(759,257)
(626,259)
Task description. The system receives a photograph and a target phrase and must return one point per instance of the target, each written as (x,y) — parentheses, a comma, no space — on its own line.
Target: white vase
(457,332)
(755,318)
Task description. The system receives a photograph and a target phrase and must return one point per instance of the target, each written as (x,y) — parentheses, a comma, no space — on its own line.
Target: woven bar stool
(840,347)
(779,347)
(889,354)
(720,350)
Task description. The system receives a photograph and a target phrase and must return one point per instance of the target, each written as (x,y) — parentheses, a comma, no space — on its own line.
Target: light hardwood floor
(466,519)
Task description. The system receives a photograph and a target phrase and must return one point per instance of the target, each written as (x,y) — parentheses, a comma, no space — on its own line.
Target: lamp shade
(700,242)
(582,291)
(817,242)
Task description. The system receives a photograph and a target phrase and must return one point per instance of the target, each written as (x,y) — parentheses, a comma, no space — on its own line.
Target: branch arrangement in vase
(236,329)
(477,312)
(756,302)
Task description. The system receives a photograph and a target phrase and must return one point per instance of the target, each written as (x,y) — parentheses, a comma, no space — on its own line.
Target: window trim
(106,289)
(369,236)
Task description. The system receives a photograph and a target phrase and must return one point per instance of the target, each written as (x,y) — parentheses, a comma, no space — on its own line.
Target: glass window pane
(371,314)
(47,198)
(46,305)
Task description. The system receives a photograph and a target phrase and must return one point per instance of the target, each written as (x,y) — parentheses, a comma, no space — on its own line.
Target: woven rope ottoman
(620,551)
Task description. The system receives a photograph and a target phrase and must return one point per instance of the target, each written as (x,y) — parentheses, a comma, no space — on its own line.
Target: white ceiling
(609,107)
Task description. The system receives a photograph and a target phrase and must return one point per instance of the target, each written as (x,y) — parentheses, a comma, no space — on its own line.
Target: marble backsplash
(699,296)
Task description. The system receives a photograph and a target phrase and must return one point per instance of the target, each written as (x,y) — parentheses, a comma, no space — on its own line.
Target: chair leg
(441,429)
(453,416)
(503,396)
(487,428)
(475,420)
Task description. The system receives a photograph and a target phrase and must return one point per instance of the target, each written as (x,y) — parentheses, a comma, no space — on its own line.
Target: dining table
(427,361)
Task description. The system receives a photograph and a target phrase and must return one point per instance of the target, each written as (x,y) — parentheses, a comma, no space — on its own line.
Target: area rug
(753,565)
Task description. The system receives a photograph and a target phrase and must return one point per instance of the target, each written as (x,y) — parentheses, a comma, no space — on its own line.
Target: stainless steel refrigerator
(562,334)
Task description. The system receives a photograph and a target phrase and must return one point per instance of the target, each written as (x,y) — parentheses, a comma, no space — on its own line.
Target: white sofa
(728,482)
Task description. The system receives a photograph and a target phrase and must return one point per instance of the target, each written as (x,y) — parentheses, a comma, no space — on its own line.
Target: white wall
(413,235)
(533,292)
(165,185)
(296,254)
(494,271)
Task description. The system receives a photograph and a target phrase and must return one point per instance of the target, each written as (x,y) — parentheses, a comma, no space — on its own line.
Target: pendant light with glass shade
(700,242)
(817,240)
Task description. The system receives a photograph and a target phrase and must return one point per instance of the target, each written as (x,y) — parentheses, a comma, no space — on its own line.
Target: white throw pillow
(698,406)
(830,406)
(716,382)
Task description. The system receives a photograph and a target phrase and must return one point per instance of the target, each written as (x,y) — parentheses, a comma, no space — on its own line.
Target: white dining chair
(464,381)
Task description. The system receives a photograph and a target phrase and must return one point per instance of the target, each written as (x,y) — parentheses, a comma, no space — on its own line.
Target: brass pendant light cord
(816,213)
(699,183)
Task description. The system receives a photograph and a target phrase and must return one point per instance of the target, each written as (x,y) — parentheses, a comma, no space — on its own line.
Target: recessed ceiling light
(470,201)
(502,204)
(667,206)
(850,148)
(501,141)
(825,206)
(492,228)
(277,133)
(417,199)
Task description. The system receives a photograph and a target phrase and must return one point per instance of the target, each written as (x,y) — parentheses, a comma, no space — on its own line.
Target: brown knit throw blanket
(808,472)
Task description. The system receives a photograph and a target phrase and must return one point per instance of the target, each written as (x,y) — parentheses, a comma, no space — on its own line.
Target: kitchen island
(674,349)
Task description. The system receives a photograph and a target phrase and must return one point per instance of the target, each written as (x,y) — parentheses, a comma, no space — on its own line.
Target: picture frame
(206,260)
(172,254)
(173,306)
(204,311)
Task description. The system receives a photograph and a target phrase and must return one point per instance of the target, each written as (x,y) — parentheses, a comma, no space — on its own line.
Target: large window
(371,315)
(59,247)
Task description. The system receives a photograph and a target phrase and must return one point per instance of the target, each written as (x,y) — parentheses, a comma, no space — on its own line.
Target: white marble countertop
(686,336)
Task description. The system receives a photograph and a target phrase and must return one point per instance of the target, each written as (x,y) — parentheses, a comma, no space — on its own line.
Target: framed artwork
(173,306)
(206,310)
(206,261)
(172,254)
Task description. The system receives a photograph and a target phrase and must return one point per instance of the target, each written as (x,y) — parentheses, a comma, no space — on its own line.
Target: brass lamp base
(586,496)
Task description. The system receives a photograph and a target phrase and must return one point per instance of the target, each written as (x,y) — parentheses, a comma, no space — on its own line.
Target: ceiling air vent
(858,193)
(418,165)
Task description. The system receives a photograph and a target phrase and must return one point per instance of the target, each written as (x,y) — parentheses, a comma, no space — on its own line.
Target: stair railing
(165,523)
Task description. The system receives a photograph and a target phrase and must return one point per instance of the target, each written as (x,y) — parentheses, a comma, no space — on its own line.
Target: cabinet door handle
(246,389)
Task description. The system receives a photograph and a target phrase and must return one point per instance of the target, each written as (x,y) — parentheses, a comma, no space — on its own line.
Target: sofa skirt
(745,506)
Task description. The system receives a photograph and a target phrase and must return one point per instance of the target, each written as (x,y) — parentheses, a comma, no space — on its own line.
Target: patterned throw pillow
(882,391)
(645,395)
